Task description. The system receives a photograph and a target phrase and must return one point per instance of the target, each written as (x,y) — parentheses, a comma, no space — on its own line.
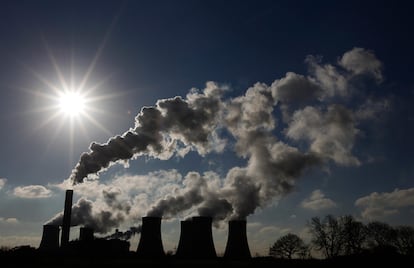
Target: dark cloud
(111,198)
(216,208)
(190,196)
(85,213)
(125,235)
(296,88)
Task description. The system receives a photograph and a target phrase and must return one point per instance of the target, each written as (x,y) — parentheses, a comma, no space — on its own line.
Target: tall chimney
(66,218)
(237,246)
(150,243)
(185,244)
(50,238)
(86,234)
(202,242)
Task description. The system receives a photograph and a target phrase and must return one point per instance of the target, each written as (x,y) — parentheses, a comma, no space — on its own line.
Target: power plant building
(237,246)
(66,218)
(50,238)
(150,243)
(196,237)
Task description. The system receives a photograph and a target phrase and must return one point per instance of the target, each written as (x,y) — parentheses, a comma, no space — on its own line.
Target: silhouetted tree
(304,252)
(4,248)
(404,240)
(381,236)
(328,235)
(354,235)
(287,246)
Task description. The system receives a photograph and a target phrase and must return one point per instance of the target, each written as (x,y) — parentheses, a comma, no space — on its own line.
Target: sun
(72,103)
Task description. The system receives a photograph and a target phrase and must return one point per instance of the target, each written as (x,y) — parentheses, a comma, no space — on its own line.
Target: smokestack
(50,238)
(202,238)
(185,245)
(86,234)
(150,243)
(66,218)
(237,246)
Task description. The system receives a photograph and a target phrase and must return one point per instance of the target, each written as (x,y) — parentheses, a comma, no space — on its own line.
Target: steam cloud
(84,213)
(190,121)
(125,235)
(317,118)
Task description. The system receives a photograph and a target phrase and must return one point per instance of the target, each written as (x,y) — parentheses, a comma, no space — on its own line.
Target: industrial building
(196,238)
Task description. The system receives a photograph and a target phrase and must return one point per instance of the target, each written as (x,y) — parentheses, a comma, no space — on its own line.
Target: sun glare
(72,103)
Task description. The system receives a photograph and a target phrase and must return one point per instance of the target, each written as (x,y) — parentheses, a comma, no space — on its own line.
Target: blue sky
(323,89)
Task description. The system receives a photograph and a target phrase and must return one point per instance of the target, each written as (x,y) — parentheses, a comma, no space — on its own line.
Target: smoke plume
(125,235)
(86,214)
(158,129)
(282,130)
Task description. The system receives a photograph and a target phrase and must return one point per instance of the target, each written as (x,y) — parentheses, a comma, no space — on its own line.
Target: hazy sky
(287,110)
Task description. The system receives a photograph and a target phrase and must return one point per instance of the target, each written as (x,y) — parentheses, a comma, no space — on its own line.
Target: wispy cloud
(32,191)
(380,205)
(9,220)
(318,201)
(2,182)
(362,61)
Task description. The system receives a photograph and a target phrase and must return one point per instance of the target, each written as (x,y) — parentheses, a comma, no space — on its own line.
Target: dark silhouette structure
(150,243)
(202,238)
(86,234)
(237,246)
(66,218)
(50,238)
(185,244)
(289,246)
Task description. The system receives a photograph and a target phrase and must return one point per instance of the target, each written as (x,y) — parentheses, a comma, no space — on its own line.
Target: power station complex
(196,238)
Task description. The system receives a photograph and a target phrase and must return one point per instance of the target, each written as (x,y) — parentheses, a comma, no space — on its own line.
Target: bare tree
(404,240)
(327,235)
(288,246)
(354,235)
(380,236)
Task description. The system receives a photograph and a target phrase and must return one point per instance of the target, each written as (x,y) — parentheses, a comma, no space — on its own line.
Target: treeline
(345,236)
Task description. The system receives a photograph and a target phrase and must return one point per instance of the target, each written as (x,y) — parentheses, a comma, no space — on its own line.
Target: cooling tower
(185,244)
(50,238)
(237,246)
(66,218)
(202,238)
(86,234)
(150,243)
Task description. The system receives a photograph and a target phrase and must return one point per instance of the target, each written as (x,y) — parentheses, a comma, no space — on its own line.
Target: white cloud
(2,182)
(8,220)
(318,201)
(331,132)
(14,241)
(328,78)
(253,225)
(362,61)
(32,191)
(380,205)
